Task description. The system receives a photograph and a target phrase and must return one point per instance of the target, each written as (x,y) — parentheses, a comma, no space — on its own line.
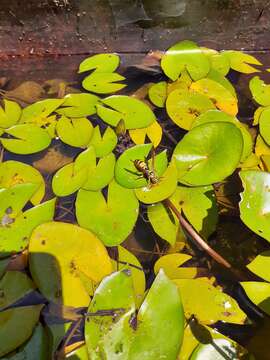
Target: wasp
(143,169)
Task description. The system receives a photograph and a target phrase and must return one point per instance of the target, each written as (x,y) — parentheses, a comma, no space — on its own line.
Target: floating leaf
(223,307)
(79,354)
(217,350)
(218,61)
(126,260)
(260,91)
(126,173)
(105,144)
(103,63)
(185,55)
(222,98)
(158,93)
(78,105)
(171,265)
(112,220)
(134,112)
(27,139)
(56,265)
(222,80)
(184,106)
(9,114)
(240,61)
(258,293)
(182,83)
(15,172)
(208,153)
(262,150)
(37,112)
(153,193)
(74,132)
(153,132)
(264,125)
(254,205)
(260,265)
(103,83)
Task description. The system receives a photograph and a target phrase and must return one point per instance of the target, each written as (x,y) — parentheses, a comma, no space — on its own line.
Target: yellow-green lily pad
(260,265)
(105,144)
(103,83)
(260,91)
(78,105)
(9,114)
(158,93)
(103,63)
(240,61)
(258,293)
(74,131)
(40,110)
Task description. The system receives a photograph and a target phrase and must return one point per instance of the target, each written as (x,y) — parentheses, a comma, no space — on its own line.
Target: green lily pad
(103,83)
(74,132)
(222,80)
(217,350)
(260,91)
(220,95)
(260,265)
(3,266)
(160,322)
(218,61)
(208,153)
(56,332)
(15,172)
(223,307)
(27,139)
(56,265)
(240,61)
(185,55)
(16,326)
(255,199)
(104,63)
(78,105)
(171,264)
(126,173)
(165,187)
(216,116)
(264,125)
(112,220)
(135,113)
(110,335)
(158,93)
(197,203)
(258,293)
(105,144)
(9,114)
(40,110)
(79,354)
(184,106)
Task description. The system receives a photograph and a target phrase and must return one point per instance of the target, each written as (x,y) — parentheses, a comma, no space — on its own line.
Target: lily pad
(221,97)
(104,63)
(105,144)
(218,61)
(74,132)
(184,106)
(37,112)
(260,91)
(9,114)
(223,307)
(185,55)
(258,293)
(158,93)
(260,265)
(27,139)
(153,132)
(112,220)
(222,80)
(135,113)
(165,187)
(217,350)
(240,61)
(254,205)
(78,354)
(264,125)
(78,105)
(15,172)
(171,265)
(63,262)
(103,83)
(126,173)
(208,153)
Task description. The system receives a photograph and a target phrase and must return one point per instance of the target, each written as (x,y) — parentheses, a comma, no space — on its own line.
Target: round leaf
(103,63)
(105,144)
(258,293)
(103,83)
(153,132)
(158,93)
(37,112)
(208,153)
(74,132)
(260,265)
(240,61)
(260,91)
(10,114)
(264,124)
(78,105)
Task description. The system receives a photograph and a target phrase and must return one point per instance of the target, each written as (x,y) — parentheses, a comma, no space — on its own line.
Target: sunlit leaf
(222,80)
(75,132)
(264,125)
(37,112)
(254,205)
(184,106)
(9,114)
(171,265)
(56,265)
(158,93)
(79,354)
(185,55)
(126,173)
(26,139)
(182,83)
(105,144)
(134,112)
(153,132)
(258,293)
(260,91)
(103,83)
(164,188)
(78,105)
(260,265)
(218,61)
(217,350)
(240,61)
(112,220)
(222,98)
(15,172)
(208,153)
(223,307)
(103,63)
